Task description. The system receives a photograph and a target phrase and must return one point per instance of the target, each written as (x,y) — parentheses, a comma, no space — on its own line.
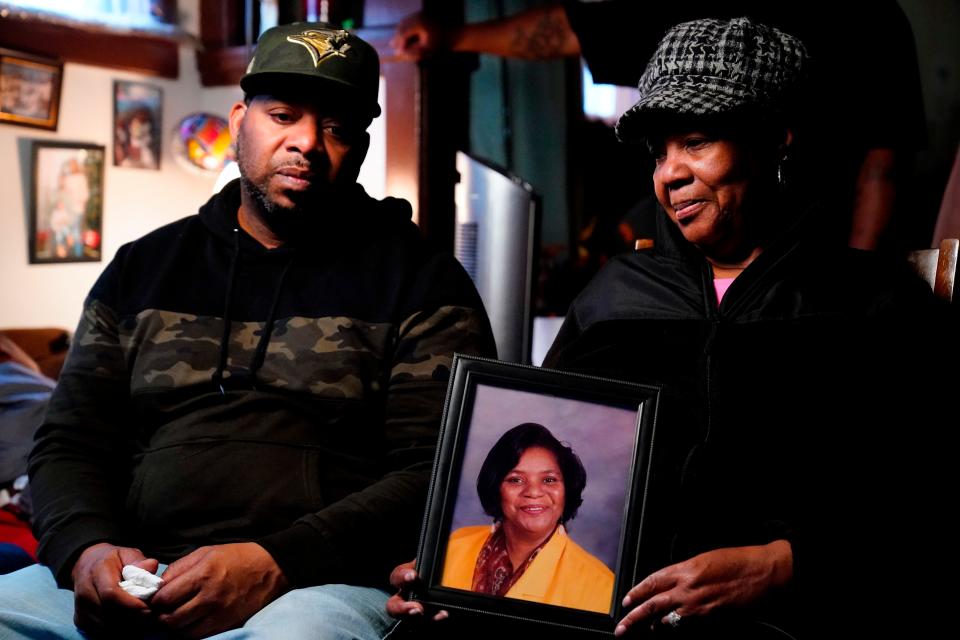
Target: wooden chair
(938,267)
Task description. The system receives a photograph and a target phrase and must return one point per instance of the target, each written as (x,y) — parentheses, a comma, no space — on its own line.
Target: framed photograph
(137,110)
(29,90)
(536,506)
(66,212)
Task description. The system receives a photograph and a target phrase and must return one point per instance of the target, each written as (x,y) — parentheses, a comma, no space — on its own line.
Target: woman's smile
(533,508)
(686,210)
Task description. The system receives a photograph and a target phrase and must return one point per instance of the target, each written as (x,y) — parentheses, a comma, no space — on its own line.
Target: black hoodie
(218,391)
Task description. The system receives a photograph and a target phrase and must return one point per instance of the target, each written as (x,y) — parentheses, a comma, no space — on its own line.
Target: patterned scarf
(494,573)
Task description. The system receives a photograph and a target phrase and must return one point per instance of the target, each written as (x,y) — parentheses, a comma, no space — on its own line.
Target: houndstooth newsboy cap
(712,67)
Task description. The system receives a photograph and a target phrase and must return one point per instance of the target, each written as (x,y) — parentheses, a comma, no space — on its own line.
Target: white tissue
(140,583)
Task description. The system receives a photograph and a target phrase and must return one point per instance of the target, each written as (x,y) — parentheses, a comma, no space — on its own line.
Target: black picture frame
(30,90)
(66,202)
(609,424)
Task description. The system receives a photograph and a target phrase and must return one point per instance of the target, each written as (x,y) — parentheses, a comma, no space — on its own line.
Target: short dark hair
(505,455)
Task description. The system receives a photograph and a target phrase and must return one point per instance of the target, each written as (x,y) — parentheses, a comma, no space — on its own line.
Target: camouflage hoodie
(218,391)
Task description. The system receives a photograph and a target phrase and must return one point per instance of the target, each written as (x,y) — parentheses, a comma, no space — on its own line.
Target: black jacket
(800,408)
(218,391)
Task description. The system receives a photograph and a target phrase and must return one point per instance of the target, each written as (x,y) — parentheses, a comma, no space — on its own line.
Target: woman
(778,497)
(531,485)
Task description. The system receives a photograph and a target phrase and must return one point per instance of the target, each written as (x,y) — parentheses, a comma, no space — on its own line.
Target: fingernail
(443,615)
(410,576)
(620,630)
(414,611)
(627,601)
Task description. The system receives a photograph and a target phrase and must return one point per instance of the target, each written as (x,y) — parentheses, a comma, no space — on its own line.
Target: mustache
(299,163)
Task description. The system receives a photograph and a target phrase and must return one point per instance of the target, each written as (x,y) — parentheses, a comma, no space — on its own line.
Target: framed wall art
(29,90)
(551,463)
(66,195)
(137,122)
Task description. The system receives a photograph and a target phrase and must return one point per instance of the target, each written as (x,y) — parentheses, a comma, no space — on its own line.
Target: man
(253,393)
(864,133)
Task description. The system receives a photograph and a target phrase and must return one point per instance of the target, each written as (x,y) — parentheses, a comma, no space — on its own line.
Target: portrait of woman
(531,484)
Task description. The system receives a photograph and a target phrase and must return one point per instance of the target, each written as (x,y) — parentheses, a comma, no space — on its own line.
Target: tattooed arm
(534,34)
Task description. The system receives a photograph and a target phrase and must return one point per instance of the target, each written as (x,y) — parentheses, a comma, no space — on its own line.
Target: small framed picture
(537,499)
(29,90)
(66,211)
(137,111)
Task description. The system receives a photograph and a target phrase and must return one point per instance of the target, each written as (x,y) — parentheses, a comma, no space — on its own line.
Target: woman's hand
(724,578)
(403,578)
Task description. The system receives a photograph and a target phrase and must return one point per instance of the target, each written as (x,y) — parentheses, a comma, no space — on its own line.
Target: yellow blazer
(562,574)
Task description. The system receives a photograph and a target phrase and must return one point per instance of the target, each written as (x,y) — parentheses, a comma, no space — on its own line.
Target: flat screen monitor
(495,239)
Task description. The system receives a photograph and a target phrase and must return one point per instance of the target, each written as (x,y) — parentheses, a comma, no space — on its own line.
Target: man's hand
(403,578)
(724,578)
(217,588)
(101,606)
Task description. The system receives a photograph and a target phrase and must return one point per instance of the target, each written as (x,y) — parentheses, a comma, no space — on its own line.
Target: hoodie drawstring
(225,336)
(260,353)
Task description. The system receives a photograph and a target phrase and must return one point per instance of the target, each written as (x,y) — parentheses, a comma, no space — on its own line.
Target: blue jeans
(32,607)
(13,557)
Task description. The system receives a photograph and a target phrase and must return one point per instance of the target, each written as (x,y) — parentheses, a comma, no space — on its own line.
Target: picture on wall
(29,90)
(137,110)
(66,212)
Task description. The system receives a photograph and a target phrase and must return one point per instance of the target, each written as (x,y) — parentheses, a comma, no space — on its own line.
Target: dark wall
(936,25)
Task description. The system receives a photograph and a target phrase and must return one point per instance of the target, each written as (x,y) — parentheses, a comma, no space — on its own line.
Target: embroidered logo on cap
(323,44)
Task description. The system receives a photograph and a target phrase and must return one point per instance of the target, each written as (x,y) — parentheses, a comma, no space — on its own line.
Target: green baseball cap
(315,53)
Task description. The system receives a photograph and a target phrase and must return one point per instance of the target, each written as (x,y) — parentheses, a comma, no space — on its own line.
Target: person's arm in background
(892,126)
(875,197)
(539,33)
(594,30)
